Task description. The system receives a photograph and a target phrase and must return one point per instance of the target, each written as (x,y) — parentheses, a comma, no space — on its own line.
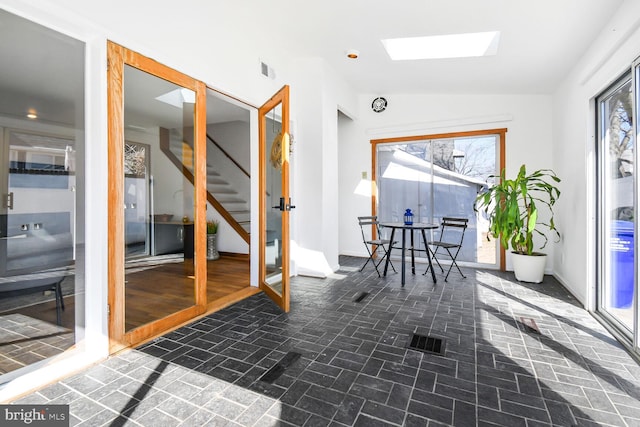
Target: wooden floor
(155,292)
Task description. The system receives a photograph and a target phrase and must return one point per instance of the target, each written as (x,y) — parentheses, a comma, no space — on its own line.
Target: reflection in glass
(273,189)
(159,198)
(228,165)
(42,187)
(136,198)
(438,178)
(618,212)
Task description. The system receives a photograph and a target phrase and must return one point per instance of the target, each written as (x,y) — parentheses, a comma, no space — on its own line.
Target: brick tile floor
(333,361)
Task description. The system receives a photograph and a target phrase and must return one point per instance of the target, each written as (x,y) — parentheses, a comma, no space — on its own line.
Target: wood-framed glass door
(275,201)
(440,175)
(165,285)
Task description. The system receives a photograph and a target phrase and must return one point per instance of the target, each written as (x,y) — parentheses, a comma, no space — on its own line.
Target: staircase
(230,200)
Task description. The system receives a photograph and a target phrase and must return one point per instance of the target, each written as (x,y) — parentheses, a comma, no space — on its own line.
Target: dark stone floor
(336,361)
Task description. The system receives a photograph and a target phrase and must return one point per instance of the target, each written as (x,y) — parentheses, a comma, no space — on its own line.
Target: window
(42,187)
(438,176)
(617,206)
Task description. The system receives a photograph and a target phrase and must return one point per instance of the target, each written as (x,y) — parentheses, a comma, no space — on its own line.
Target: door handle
(281,205)
(284,206)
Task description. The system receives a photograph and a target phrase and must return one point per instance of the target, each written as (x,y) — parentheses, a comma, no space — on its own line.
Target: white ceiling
(540,41)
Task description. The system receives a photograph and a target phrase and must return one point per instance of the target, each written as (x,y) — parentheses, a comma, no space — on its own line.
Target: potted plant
(212,236)
(512,209)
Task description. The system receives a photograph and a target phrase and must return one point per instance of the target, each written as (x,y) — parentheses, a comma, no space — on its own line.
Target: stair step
(222,190)
(216,180)
(241,217)
(229,198)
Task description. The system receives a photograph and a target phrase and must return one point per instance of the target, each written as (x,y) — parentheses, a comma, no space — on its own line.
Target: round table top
(415,225)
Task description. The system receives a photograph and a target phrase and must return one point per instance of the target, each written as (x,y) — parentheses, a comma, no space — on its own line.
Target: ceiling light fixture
(353,54)
(443,46)
(32,114)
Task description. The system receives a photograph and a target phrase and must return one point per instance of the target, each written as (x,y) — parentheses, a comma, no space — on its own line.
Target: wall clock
(379,104)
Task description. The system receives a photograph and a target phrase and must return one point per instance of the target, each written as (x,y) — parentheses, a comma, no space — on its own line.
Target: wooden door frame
(117,57)
(281,97)
(502,137)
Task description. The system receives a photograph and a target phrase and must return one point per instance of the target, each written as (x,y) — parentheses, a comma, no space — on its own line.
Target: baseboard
(246,257)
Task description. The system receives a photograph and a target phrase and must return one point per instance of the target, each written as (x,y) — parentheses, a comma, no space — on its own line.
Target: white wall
(317,94)
(233,137)
(222,50)
(574,145)
(528,119)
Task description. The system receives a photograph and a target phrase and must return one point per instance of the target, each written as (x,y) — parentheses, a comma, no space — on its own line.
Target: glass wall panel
(616,154)
(158,198)
(437,178)
(42,191)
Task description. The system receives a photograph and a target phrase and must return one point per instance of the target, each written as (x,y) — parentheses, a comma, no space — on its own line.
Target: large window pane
(42,191)
(617,207)
(436,178)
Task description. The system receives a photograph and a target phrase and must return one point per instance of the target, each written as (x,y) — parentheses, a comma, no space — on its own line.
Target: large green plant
(511,205)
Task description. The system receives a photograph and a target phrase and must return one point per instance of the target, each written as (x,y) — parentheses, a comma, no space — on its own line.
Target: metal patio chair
(371,237)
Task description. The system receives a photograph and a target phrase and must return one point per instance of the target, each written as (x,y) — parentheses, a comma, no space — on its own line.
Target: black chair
(52,282)
(451,237)
(369,225)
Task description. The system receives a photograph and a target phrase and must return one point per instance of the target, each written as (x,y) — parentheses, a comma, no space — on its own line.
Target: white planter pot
(529,268)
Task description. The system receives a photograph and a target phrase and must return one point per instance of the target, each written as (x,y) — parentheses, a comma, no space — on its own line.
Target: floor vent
(362,296)
(427,344)
(529,325)
(278,369)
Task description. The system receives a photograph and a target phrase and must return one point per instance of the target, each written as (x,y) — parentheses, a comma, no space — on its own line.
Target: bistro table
(411,228)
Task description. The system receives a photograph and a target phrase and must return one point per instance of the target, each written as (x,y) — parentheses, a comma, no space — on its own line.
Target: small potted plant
(212,236)
(512,208)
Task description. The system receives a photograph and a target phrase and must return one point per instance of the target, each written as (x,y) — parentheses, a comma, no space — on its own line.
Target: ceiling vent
(267,71)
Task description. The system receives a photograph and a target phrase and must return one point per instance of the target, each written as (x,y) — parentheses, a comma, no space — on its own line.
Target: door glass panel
(42,191)
(616,154)
(159,198)
(437,178)
(229,184)
(275,201)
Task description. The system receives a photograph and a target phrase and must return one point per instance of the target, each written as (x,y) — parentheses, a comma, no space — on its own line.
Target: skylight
(445,46)
(178,97)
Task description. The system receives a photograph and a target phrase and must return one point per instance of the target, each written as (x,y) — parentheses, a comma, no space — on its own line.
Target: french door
(275,201)
(157,216)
